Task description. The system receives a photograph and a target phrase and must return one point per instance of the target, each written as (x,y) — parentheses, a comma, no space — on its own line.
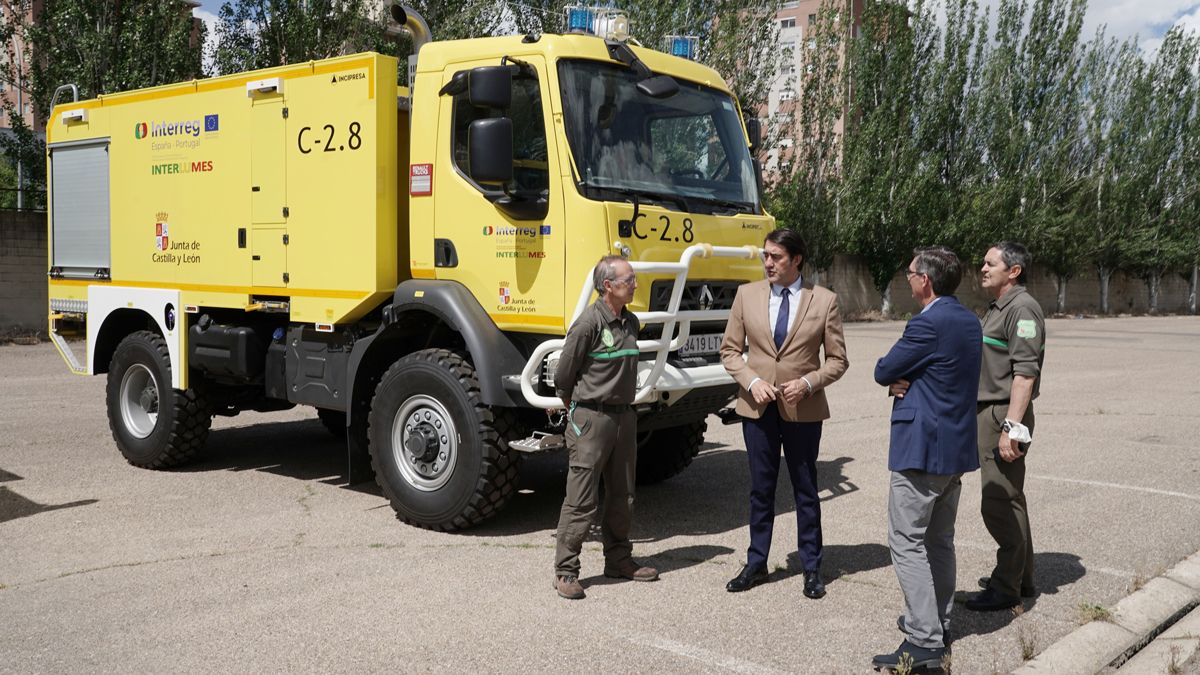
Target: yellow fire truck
(405,259)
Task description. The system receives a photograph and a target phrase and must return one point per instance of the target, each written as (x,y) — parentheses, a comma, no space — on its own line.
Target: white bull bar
(658,376)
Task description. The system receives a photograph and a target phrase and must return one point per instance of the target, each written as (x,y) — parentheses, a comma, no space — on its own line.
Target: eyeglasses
(628,281)
(909,274)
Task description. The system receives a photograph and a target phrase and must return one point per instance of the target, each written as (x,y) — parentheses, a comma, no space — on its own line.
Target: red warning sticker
(420,180)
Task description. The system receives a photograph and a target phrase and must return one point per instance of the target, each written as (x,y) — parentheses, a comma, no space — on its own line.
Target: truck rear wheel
(440,455)
(155,426)
(664,453)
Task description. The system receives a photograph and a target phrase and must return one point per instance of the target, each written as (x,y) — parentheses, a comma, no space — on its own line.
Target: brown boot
(568,587)
(630,569)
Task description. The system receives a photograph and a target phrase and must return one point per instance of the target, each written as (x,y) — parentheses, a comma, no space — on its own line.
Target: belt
(615,408)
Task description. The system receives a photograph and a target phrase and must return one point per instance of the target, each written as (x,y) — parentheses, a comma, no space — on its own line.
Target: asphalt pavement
(258,557)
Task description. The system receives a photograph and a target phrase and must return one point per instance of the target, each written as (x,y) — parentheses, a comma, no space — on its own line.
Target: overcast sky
(1147,19)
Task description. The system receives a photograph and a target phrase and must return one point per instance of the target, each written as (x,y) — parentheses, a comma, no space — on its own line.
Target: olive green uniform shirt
(599,360)
(1014,343)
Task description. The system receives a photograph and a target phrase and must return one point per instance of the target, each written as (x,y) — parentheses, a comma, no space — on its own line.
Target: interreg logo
(522,232)
(193,128)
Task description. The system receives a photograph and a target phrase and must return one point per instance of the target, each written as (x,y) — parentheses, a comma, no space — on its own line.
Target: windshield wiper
(660,197)
(738,207)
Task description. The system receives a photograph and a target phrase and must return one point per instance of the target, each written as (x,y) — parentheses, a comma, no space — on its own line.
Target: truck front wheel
(666,452)
(440,455)
(155,426)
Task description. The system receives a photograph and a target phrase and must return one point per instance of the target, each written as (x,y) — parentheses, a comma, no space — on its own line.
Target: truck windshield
(684,151)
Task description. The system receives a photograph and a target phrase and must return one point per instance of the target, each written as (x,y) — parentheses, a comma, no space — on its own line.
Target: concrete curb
(1137,619)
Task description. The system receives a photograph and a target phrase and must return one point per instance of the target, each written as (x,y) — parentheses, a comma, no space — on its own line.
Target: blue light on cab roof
(683,46)
(580,19)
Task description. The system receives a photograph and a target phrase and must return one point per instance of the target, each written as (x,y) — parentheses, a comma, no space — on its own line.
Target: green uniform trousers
(600,444)
(1003,507)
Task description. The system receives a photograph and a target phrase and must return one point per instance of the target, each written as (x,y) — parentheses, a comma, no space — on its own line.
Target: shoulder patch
(1027,328)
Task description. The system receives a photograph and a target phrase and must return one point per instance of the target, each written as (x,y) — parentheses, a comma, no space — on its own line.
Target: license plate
(701,345)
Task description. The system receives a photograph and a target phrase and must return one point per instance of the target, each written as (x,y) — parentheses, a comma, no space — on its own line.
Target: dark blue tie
(781,324)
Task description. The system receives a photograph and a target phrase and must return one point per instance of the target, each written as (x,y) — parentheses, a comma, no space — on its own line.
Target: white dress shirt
(773,305)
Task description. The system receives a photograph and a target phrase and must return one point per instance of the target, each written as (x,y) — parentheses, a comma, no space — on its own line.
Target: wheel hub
(139,401)
(424,442)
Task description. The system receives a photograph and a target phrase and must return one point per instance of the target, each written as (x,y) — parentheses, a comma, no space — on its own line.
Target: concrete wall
(23,267)
(1126,295)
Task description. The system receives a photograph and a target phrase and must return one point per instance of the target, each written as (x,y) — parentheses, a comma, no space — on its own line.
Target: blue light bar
(580,20)
(683,46)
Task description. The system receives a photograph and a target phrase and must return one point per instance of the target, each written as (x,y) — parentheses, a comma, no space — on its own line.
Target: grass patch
(1027,639)
(1089,612)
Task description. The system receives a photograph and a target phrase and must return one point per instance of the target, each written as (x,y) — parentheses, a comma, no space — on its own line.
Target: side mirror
(490,87)
(754,131)
(490,146)
(659,86)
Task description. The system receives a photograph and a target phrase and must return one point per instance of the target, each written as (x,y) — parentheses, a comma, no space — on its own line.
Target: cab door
(511,259)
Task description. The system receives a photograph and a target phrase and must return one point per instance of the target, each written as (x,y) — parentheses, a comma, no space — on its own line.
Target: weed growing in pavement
(1027,638)
(946,662)
(1089,612)
(904,667)
(1173,667)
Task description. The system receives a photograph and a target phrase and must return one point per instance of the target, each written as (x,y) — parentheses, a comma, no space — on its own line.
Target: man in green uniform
(1014,340)
(596,379)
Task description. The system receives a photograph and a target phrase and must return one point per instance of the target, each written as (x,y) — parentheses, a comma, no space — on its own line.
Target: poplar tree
(886,185)
(1159,240)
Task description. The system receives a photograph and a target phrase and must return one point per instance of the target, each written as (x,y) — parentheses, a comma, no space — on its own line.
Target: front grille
(720,292)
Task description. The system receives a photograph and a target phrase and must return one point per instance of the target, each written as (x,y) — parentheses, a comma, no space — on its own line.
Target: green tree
(255,34)
(103,47)
(1159,238)
(886,184)
(805,198)
(1110,70)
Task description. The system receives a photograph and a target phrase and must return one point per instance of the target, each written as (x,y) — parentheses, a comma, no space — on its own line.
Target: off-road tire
(334,421)
(663,453)
(183,417)
(479,475)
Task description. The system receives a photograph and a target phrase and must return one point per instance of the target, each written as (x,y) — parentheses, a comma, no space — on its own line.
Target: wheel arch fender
(492,354)
(447,305)
(115,312)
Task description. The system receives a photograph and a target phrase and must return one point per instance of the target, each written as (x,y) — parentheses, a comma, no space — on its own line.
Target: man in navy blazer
(933,373)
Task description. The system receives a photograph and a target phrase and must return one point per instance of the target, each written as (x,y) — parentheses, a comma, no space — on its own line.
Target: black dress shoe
(1026,591)
(813,586)
(748,578)
(991,600)
(922,657)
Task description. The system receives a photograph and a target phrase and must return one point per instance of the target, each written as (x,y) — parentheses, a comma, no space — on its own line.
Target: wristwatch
(1006,427)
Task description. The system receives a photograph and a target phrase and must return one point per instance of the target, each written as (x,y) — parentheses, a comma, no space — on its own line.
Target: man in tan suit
(772,347)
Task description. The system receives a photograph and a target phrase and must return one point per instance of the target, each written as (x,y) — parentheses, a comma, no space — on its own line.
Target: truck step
(540,441)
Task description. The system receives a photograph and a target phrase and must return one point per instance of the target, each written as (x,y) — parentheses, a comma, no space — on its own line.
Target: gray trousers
(922,508)
(605,446)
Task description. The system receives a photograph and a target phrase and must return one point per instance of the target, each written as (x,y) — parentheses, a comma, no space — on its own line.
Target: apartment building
(797,19)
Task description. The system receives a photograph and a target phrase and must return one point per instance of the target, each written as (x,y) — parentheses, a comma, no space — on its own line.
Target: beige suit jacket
(748,350)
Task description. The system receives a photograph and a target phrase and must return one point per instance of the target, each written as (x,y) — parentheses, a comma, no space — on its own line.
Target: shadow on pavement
(14,506)
(668,561)
(303,450)
(710,496)
(1053,571)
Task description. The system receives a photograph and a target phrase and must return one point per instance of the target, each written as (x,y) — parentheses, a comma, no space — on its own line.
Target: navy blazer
(933,426)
